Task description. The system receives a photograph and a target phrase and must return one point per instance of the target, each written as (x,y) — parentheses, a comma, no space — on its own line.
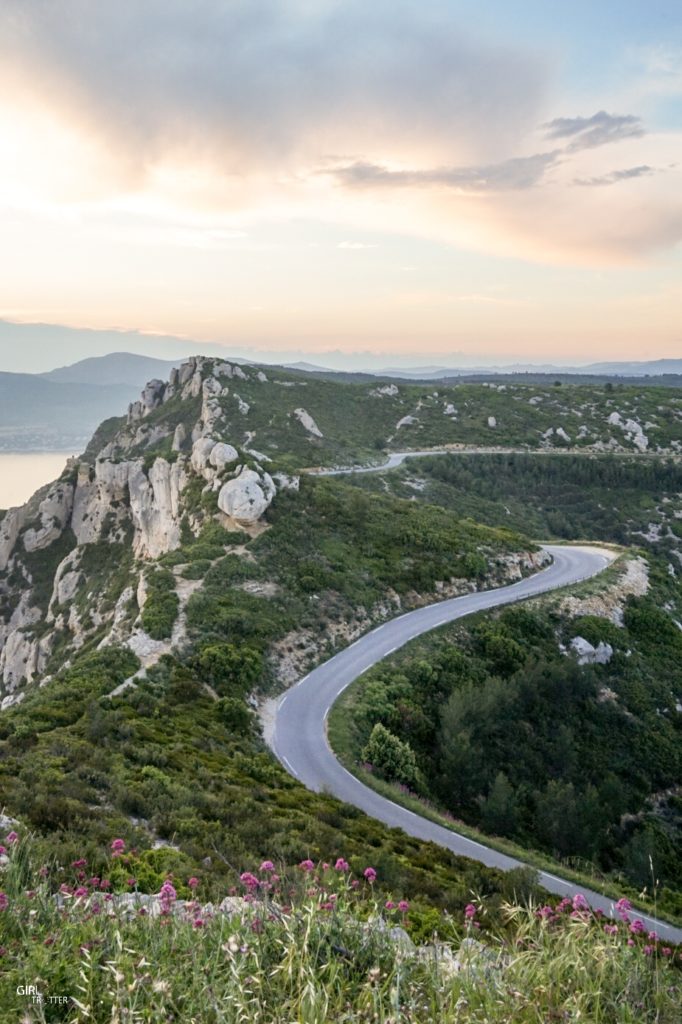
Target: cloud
(264,85)
(598,130)
(357,245)
(515,173)
(613,177)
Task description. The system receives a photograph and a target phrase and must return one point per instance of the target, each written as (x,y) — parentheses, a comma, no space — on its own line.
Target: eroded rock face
(10,528)
(155,507)
(54,512)
(247,497)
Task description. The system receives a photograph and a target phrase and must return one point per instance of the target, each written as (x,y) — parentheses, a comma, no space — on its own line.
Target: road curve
(299,737)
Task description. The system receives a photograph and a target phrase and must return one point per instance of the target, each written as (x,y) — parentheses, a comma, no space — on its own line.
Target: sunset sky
(492,180)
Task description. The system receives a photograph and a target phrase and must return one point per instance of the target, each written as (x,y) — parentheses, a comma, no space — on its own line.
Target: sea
(22,473)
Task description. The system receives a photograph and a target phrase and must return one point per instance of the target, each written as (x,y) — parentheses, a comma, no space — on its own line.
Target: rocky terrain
(77,561)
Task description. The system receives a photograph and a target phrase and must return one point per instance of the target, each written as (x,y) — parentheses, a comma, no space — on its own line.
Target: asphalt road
(397,458)
(299,737)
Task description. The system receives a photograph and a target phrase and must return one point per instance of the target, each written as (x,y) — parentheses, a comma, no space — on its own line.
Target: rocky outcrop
(152,502)
(247,497)
(406,421)
(587,654)
(10,527)
(54,512)
(610,602)
(155,507)
(632,430)
(307,422)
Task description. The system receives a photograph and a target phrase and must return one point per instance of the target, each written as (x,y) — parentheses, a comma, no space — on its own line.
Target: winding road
(299,737)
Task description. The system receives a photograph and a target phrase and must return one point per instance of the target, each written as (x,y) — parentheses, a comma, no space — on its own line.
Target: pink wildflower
(631,942)
(469,911)
(611,929)
(653,936)
(4,901)
(637,927)
(341,865)
(167,896)
(131,882)
(648,950)
(579,902)
(249,880)
(403,906)
(370,874)
(192,883)
(197,923)
(105,884)
(12,837)
(80,863)
(355,884)
(667,951)
(3,850)
(80,892)
(389,905)
(307,865)
(268,866)
(118,847)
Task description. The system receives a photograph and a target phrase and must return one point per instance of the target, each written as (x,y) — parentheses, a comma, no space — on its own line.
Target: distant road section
(299,738)
(397,458)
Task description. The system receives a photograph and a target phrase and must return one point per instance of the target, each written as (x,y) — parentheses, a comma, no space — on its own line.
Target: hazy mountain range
(59,409)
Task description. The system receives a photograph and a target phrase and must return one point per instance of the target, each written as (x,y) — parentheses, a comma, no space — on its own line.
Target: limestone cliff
(160,473)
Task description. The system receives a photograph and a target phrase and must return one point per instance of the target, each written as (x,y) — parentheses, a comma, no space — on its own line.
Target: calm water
(22,473)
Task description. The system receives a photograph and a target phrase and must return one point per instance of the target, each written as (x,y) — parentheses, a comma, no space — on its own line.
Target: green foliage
(513,736)
(391,757)
(229,669)
(161,606)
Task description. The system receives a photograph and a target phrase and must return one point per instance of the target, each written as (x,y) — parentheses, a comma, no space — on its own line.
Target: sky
(437,181)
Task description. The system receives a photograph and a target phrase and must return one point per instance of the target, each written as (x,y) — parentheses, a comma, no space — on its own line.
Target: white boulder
(246,497)
(222,455)
(589,655)
(307,422)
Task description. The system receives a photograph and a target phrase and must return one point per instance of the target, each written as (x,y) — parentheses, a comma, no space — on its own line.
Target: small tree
(393,758)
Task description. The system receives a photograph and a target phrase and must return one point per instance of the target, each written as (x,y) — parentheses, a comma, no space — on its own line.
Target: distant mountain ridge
(126,368)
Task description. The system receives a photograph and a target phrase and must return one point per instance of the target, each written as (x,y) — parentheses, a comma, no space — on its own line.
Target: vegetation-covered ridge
(312,943)
(297,420)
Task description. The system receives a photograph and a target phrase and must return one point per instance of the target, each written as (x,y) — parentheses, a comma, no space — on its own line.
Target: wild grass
(310,944)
